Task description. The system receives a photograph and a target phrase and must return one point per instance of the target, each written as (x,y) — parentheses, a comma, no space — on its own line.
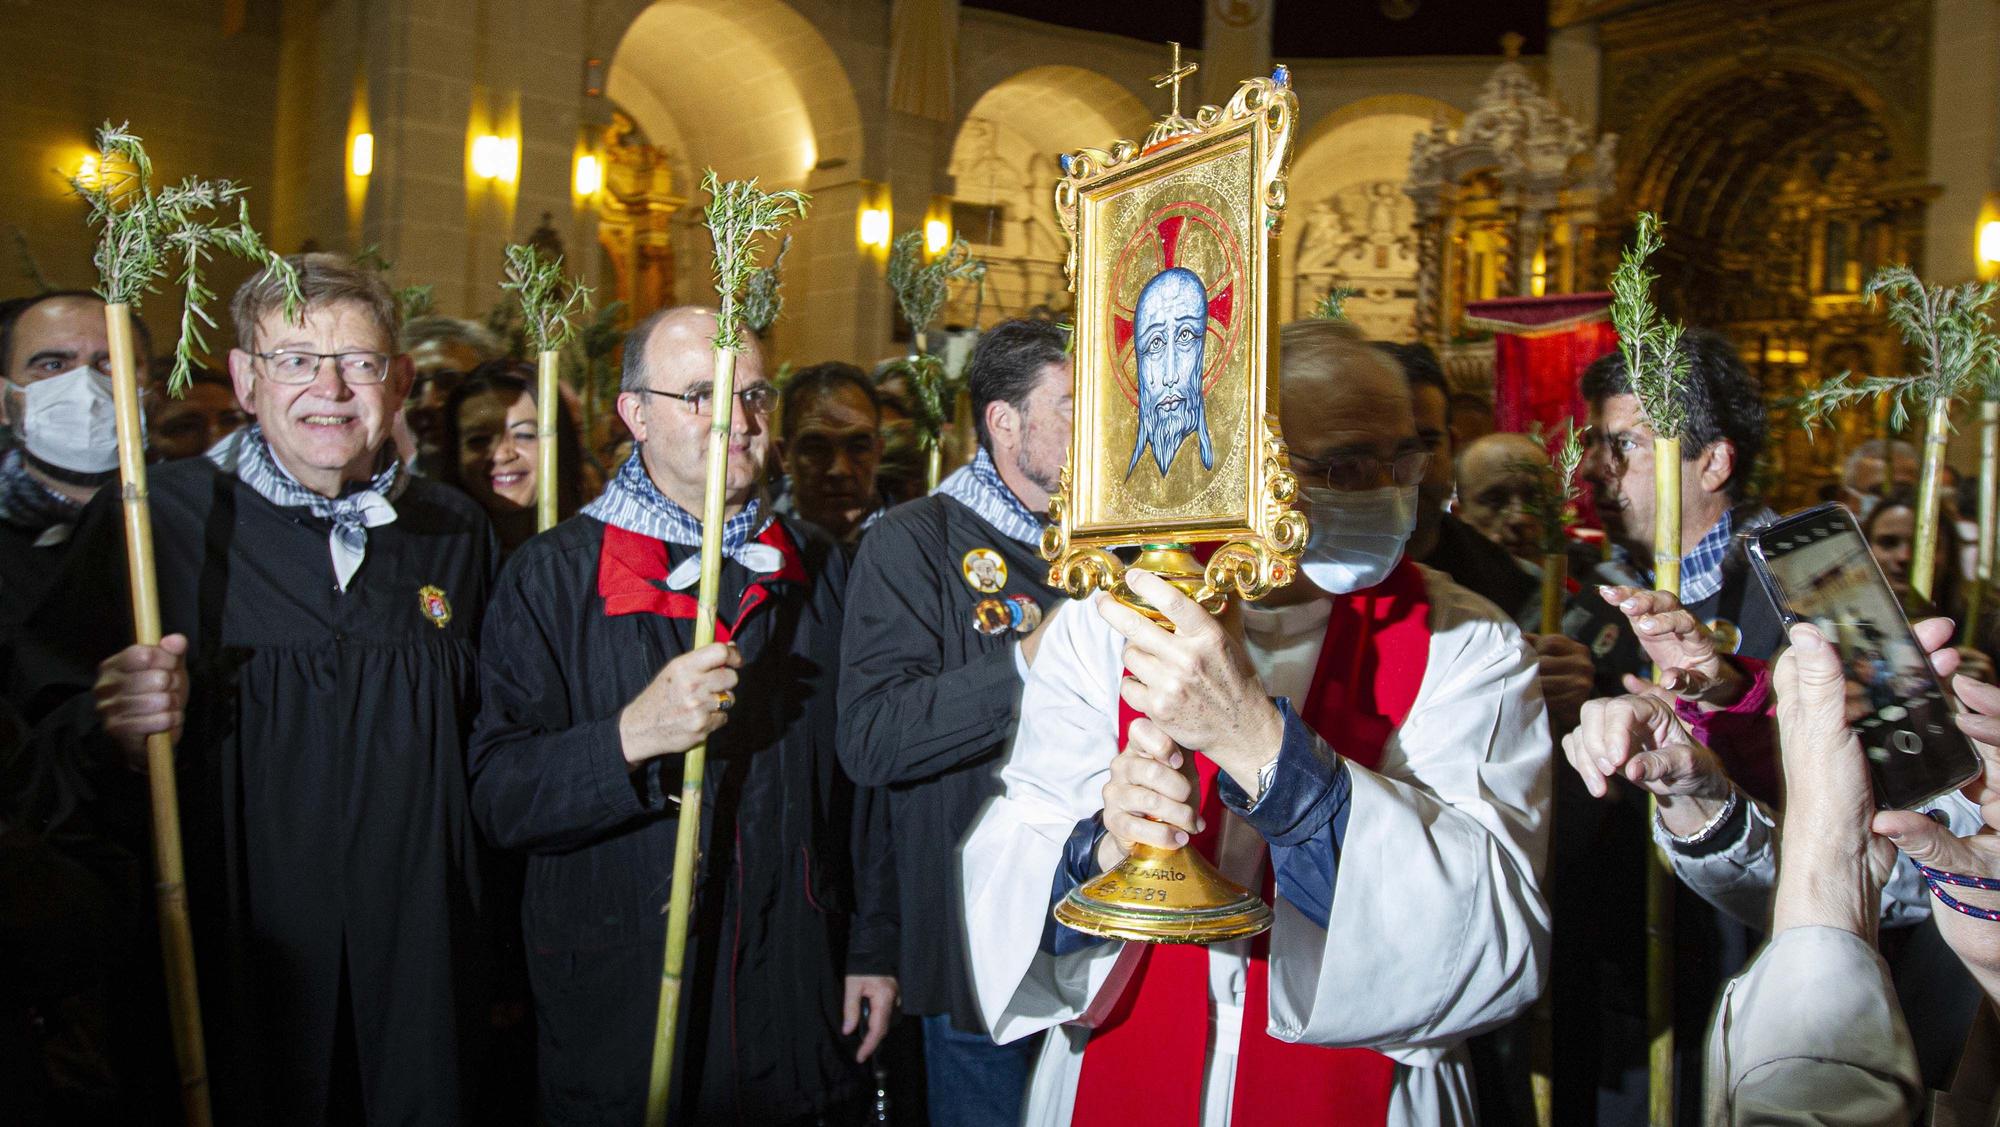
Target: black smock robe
(332,861)
(581,623)
(928,704)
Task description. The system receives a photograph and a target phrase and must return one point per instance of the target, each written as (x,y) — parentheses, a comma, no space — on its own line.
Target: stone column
(1964,145)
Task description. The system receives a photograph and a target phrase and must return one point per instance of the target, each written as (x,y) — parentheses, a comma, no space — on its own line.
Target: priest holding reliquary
(1274,821)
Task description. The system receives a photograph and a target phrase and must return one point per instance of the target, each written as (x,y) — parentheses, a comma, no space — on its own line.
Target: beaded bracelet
(1936,878)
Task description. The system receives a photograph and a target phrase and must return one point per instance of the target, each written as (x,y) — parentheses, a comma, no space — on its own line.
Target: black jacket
(333,868)
(928,704)
(776,921)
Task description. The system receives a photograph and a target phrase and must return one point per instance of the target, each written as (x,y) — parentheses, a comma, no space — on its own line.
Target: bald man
(1499,479)
(593,690)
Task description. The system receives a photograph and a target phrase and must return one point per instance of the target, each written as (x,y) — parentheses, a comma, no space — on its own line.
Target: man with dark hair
(442,352)
(942,617)
(185,426)
(592,692)
(321,608)
(56,360)
(830,442)
(1723,436)
(1602,921)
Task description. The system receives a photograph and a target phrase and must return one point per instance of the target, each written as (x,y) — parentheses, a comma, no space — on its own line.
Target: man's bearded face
(1170,330)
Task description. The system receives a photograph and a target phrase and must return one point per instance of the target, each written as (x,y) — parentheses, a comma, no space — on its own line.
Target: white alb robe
(1438,927)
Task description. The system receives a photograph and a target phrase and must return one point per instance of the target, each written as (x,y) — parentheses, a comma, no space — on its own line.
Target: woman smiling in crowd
(489,425)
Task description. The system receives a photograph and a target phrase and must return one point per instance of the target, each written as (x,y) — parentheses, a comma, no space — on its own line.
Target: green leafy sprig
(411,301)
(922,288)
(1552,500)
(1650,343)
(1949,327)
(738,212)
(764,294)
(553,305)
(1333,306)
(143,230)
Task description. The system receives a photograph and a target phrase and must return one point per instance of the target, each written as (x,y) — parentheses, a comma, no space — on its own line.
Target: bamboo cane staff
(140,229)
(738,212)
(1553,510)
(921,289)
(552,308)
(1950,328)
(1656,368)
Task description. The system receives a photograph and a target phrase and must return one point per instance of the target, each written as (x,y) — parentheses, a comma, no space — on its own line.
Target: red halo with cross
(1187,234)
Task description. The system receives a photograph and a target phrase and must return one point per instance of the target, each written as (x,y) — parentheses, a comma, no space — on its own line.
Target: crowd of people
(430,760)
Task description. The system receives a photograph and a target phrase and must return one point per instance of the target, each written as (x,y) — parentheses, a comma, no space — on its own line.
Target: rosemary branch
(143,230)
(764,294)
(1650,343)
(738,212)
(1333,306)
(922,287)
(1950,328)
(553,305)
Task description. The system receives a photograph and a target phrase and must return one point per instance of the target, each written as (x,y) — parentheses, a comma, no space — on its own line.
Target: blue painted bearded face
(1169,333)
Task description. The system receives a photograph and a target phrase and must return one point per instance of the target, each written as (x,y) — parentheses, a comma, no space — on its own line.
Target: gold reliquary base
(1164,896)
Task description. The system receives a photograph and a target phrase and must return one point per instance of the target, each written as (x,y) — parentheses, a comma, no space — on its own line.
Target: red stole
(1144,1065)
(632,573)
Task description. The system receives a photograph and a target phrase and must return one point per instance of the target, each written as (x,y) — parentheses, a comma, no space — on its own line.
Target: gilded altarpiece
(635,213)
(1785,151)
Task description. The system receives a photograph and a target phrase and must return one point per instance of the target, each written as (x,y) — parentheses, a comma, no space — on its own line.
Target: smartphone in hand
(1818,569)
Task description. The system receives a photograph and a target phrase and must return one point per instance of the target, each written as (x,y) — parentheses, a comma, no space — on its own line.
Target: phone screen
(1825,575)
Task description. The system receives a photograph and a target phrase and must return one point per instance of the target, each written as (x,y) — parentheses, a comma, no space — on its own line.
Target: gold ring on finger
(725,700)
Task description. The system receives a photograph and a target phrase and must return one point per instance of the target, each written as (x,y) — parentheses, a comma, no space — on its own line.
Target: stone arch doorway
(1783,188)
(1003,168)
(748,88)
(1349,223)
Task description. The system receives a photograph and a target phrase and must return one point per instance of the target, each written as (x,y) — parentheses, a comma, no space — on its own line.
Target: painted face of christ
(1169,332)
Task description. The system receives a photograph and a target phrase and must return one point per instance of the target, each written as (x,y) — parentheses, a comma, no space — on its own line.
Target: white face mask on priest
(1348,423)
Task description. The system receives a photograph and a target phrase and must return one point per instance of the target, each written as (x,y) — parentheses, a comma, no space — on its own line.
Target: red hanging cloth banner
(1541,346)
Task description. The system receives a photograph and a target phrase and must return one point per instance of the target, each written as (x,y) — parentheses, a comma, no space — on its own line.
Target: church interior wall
(201,99)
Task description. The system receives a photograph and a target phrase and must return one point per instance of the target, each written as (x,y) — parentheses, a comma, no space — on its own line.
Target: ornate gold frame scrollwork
(1259,552)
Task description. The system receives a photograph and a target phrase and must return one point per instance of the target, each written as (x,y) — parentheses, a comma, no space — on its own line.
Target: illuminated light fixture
(361,154)
(1538,279)
(874,227)
(589,176)
(1989,242)
(937,236)
(86,171)
(1796,356)
(496,158)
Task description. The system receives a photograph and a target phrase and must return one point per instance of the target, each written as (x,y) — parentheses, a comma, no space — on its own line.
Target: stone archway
(1349,223)
(748,88)
(1782,189)
(1003,167)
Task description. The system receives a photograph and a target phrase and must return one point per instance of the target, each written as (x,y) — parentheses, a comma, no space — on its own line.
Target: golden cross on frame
(1174,77)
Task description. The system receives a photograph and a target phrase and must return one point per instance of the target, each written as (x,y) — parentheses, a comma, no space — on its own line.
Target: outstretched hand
(1679,646)
(1639,739)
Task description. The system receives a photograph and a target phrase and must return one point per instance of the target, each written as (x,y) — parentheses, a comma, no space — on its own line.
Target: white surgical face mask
(69,421)
(1356,537)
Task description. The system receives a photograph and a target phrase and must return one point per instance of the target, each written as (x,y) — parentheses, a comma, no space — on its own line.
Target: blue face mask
(1356,537)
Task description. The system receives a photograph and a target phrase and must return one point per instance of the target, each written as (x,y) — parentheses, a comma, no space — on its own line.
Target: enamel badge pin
(984,570)
(433,604)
